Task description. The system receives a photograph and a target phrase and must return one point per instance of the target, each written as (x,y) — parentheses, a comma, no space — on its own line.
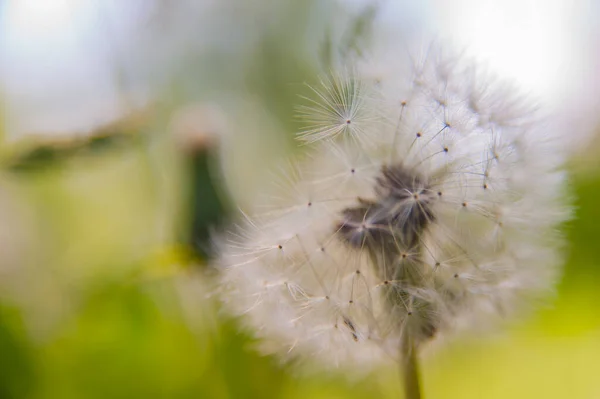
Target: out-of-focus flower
(428,201)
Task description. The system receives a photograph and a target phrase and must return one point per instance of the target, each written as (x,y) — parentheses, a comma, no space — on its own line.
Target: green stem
(409,368)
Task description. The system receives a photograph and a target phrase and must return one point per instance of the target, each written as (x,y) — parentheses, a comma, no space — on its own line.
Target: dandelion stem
(409,368)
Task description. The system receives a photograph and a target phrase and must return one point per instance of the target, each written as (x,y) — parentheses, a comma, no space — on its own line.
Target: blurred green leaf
(17,362)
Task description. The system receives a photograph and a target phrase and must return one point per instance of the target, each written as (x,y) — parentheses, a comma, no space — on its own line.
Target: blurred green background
(105,290)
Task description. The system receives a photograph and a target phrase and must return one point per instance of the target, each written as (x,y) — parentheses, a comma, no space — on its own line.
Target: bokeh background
(129,131)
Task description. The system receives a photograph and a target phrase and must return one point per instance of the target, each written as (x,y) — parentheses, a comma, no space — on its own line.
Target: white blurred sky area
(61,63)
(59,59)
(540,43)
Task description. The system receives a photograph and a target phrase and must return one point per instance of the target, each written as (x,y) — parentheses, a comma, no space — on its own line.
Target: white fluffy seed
(347,257)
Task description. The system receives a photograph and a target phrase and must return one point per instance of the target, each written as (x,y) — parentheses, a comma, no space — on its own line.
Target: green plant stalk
(409,368)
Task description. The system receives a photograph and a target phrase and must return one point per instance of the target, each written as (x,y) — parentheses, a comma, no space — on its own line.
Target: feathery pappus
(427,201)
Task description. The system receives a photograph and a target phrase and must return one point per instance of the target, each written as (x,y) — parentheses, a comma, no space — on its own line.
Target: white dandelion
(427,201)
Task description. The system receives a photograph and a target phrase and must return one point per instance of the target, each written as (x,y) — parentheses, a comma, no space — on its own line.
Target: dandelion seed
(408,236)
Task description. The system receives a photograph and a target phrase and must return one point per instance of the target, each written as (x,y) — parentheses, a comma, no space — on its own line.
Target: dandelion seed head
(422,216)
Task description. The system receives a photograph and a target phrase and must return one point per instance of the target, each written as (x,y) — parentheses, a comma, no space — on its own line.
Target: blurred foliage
(208,208)
(38,153)
(105,298)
